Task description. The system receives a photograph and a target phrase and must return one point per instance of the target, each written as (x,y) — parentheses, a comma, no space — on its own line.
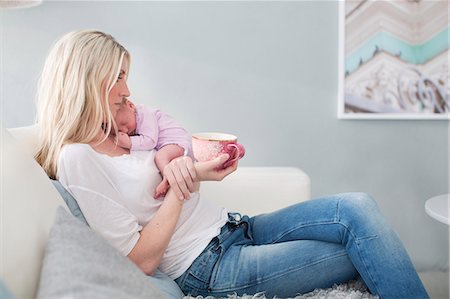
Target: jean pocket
(194,286)
(199,274)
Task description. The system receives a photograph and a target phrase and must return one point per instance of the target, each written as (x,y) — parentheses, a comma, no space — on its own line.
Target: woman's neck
(108,146)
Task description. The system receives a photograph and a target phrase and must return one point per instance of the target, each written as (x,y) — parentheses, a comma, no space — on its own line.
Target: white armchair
(29,201)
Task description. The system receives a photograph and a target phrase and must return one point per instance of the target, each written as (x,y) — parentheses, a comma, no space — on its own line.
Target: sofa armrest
(29,203)
(256,190)
(26,137)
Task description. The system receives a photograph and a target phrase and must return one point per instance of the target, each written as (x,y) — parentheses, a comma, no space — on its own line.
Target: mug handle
(240,153)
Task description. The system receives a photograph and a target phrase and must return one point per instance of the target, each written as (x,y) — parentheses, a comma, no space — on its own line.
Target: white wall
(266,71)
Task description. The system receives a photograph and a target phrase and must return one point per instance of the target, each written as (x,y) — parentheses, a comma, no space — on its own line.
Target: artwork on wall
(394,59)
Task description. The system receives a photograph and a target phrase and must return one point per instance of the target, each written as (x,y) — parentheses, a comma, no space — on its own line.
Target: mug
(209,145)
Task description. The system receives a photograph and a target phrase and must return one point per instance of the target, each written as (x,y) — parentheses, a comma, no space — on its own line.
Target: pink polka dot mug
(209,145)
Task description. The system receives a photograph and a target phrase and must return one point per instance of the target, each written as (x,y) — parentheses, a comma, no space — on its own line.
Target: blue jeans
(309,245)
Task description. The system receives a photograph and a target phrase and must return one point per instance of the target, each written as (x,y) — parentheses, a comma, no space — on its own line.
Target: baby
(143,128)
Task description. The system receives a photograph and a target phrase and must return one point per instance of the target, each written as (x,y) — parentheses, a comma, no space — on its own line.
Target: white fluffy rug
(352,290)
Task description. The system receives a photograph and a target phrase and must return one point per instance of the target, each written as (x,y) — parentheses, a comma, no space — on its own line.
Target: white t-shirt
(115,195)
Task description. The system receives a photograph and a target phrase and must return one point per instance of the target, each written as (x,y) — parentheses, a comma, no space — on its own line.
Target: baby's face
(126,118)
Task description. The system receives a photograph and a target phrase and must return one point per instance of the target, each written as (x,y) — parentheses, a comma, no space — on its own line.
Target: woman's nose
(124,91)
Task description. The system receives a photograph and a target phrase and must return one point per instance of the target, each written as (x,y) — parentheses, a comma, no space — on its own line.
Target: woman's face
(119,91)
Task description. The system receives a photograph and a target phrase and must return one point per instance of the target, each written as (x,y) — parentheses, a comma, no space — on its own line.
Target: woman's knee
(358,200)
(358,207)
(359,212)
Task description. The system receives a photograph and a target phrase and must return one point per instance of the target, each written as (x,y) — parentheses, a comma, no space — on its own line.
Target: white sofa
(29,201)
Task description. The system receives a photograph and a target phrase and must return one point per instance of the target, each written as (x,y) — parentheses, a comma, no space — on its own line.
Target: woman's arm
(166,154)
(155,236)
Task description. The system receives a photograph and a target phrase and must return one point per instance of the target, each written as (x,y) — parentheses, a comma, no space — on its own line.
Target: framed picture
(394,59)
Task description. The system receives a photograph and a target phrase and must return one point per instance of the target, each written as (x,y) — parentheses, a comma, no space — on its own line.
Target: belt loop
(234,218)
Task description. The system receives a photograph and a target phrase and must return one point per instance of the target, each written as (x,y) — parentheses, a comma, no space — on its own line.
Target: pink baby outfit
(155,129)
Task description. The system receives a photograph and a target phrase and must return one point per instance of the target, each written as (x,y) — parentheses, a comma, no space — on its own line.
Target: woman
(205,249)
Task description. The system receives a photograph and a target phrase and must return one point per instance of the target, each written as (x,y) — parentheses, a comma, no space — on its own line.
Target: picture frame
(394,60)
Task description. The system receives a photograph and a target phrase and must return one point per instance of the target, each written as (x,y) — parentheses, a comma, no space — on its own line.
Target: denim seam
(300,226)
(279,274)
(357,245)
(212,278)
(363,260)
(338,220)
(310,224)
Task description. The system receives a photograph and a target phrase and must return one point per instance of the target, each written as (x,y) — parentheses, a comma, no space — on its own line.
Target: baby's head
(126,118)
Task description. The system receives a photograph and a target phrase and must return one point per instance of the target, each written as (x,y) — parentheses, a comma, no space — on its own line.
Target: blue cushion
(163,282)
(70,201)
(4,293)
(79,263)
(166,284)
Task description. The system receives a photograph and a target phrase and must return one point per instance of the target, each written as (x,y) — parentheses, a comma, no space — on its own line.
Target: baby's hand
(161,189)
(124,140)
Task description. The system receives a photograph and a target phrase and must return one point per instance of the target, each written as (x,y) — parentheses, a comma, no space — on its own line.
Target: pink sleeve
(170,132)
(146,129)
(163,130)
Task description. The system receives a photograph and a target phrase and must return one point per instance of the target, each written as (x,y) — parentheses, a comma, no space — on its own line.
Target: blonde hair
(69,101)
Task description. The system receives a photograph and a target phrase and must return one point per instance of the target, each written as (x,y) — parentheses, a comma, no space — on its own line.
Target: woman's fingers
(213,170)
(231,168)
(217,162)
(222,173)
(191,169)
(181,183)
(181,174)
(187,178)
(169,174)
(187,170)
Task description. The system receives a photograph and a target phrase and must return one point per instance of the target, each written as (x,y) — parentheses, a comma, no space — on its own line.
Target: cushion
(162,281)
(4,292)
(28,204)
(26,137)
(70,201)
(79,263)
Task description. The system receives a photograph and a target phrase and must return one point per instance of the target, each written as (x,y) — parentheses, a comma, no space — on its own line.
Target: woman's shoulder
(75,151)
(75,159)
(76,148)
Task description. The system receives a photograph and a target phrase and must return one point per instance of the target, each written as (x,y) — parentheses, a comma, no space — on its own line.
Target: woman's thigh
(282,269)
(328,219)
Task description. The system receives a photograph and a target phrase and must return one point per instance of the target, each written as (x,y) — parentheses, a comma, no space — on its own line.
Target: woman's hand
(213,170)
(181,174)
